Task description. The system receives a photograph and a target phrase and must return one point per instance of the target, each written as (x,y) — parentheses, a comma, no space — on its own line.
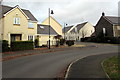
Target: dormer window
(17,21)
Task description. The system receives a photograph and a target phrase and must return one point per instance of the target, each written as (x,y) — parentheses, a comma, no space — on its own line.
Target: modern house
(43,31)
(54,24)
(76,32)
(43,35)
(108,26)
(17,24)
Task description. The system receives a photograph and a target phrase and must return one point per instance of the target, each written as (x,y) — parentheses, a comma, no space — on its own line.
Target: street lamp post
(64,29)
(49,12)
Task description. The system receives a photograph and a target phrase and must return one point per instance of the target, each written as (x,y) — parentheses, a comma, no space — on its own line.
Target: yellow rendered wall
(87,30)
(44,38)
(1,28)
(10,28)
(54,24)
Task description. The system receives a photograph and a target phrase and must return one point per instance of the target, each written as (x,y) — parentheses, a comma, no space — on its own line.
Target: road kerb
(68,69)
(104,69)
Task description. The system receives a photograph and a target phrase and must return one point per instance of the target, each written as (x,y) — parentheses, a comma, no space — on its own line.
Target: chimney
(103,14)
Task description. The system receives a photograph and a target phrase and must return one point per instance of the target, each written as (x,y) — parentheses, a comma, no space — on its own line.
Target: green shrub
(70,42)
(82,39)
(62,41)
(5,45)
(21,45)
(36,43)
(115,40)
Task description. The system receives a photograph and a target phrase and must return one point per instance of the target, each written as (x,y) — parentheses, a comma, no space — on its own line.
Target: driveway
(49,65)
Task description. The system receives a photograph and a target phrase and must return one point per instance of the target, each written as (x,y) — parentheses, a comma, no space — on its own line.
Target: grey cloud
(71,12)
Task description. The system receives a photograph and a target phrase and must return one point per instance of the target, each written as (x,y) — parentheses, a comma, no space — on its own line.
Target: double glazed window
(30,25)
(30,38)
(17,20)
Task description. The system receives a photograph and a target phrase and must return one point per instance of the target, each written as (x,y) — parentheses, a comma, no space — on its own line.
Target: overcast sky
(68,11)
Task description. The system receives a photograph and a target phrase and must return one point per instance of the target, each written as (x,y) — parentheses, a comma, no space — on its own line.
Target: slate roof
(78,27)
(112,20)
(44,29)
(66,29)
(5,9)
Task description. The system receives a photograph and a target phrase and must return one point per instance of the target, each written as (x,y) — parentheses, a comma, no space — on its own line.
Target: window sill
(30,28)
(17,24)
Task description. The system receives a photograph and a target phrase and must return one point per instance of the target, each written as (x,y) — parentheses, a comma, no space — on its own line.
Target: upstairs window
(30,25)
(16,21)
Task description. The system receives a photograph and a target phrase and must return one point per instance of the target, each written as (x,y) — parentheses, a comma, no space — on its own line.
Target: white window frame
(16,21)
(30,25)
(30,37)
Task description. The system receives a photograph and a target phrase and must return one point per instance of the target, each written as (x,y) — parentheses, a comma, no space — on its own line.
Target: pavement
(89,67)
(16,54)
(50,64)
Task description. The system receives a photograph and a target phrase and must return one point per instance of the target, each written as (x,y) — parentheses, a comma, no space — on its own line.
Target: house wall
(43,40)
(116,31)
(1,28)
(10,28)
(55,25)
(86,31)
(102,23)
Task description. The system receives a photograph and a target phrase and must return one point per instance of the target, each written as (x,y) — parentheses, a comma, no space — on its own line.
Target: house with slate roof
(108,25)
(43,34)
(76,32)
(43,31)
(17,24)
(54,24)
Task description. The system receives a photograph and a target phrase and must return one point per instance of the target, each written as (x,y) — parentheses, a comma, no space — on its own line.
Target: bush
(36,43)
(5,45)
(114,40)
(57,43)
(82,39)
(21,45)
(70,42)
(62,41)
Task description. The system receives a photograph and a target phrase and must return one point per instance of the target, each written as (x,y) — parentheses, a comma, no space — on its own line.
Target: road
(49,65)
(89,67)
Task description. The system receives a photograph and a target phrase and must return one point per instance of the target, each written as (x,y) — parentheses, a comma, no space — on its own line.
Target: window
(30,25)
(118,27)
(16,21)
(30,38)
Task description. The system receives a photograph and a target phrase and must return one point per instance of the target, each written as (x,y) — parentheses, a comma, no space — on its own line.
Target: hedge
(62,41)
(22,45)
(70,42)
(113,40)
(5,45)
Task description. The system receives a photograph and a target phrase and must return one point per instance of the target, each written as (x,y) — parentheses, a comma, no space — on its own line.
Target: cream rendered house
(54,24)
(17,24)
(43,35)
(43,31)
(78,31)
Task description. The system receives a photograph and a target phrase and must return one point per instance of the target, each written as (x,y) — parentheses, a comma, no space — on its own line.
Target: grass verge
(112,67)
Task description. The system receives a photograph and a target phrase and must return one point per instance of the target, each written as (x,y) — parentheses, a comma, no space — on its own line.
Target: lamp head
(52,12)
